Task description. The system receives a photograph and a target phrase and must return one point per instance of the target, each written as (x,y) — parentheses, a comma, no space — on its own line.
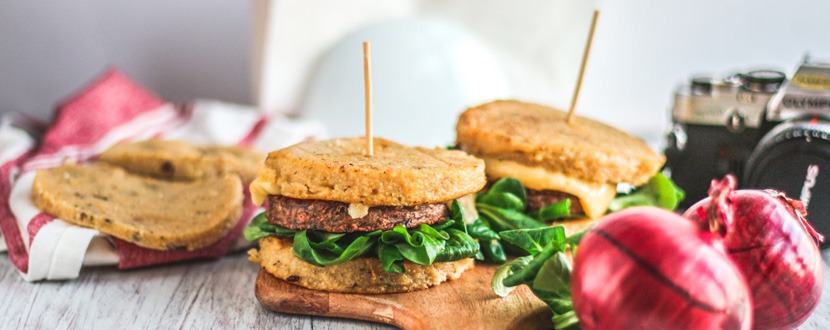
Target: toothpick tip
(582,66)
(367,79)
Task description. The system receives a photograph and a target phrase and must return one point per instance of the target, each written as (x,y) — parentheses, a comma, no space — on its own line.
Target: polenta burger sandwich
(570,169)
(339,220)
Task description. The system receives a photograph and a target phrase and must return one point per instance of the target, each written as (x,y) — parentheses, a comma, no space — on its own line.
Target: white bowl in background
(424,73)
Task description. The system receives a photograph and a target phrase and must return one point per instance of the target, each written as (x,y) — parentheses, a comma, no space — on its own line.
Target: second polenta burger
(339,220)
(581,161)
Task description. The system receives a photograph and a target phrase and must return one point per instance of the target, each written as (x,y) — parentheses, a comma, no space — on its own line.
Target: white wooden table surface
(215,294)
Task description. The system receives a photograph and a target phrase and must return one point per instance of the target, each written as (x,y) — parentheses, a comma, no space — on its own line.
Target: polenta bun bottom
(361,275)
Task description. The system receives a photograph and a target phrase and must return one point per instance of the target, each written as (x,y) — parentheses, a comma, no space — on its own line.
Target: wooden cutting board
(466,303)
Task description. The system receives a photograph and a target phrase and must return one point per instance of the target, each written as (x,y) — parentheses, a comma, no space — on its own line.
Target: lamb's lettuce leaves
(326,249)
(533,240)
(506,193)
(259,228)
(660,191)
(547,271)
(423,245)
(558,211)
(489,240)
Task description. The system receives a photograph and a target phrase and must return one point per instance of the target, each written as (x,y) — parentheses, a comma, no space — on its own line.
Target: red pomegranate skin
(776,250)
(647,268)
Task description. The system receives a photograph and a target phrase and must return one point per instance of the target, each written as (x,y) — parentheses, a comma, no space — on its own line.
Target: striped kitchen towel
(110,110)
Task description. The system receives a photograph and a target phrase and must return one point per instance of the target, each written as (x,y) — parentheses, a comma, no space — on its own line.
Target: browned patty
(537,199)
(302,214)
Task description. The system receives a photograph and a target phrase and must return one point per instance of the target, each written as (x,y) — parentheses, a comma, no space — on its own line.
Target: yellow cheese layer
(594,197)
(468,207)
(260,189)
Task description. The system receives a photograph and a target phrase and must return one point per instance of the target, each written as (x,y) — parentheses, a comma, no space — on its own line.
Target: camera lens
(763,81)
(794,157)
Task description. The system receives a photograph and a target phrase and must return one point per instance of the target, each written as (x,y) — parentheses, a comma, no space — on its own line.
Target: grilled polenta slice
(179,160)
(155,214)
(396,175)
(360,275)
(538,136)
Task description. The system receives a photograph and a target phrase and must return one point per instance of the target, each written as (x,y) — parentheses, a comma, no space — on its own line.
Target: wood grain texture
(198,295)
(465,303)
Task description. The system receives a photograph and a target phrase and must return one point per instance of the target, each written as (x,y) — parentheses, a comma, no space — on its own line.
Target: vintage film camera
(768,131)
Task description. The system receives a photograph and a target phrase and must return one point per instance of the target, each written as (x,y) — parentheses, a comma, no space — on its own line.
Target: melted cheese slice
(594,197)
(468,207)
(260,189)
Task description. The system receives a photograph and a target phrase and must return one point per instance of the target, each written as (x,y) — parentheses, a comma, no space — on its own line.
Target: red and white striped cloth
(111,110)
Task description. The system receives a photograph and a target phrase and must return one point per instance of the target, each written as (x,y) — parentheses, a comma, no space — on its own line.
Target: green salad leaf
(503,200)
(528,273)
(552,285)
(574,239)
(489,240)
(500,219)
(546,269)
(558,211)
(459,245)
(506,270)
(660,191)
(533,240)
(423,245)
(503,208)
(462,240)
(326,249)
(259,228)
(506,193)
(391,258)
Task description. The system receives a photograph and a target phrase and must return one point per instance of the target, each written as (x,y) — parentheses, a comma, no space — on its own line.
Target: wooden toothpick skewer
(582,67)
(367,79)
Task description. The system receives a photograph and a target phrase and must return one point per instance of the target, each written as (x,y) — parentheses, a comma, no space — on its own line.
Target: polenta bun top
(540,136)
(396,175)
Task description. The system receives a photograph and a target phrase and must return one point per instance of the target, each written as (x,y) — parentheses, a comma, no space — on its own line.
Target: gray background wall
(181,49)
(202,48)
